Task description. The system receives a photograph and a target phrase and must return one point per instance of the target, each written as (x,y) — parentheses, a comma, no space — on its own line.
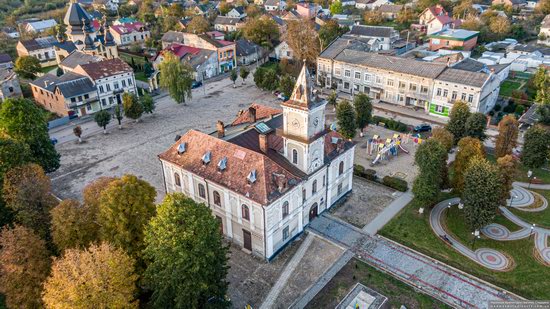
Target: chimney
(264,143)
(252,114)
(220,128)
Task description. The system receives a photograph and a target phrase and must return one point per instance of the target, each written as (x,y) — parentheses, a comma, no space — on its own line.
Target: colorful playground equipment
(389,147)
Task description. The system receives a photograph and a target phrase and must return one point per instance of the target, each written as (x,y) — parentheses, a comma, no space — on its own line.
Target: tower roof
(303,96)
(76,17)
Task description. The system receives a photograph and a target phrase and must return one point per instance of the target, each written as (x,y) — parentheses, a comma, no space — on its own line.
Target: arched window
(217,198)
(245,212)
(294,156)
(341,168)
(202,191)
(177,179)
(314,187)
(285,209)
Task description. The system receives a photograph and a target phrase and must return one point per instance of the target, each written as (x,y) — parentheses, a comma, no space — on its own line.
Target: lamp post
(512,199)
(475,235)
(529,174)
(532,230)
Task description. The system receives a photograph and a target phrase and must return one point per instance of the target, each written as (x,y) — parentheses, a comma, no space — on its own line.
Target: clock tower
(304,125)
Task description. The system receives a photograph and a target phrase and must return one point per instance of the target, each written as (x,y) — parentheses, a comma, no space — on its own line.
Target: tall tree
(476,125)
(243,72)
(147,103)
(198,25)
(443,136)
(125,207)
(431,158)
(74,225)
(27,191)
(77,131)
(535,147)
(329,31)
(363,110)
(286,84)
(345,118)
(336,7)
(541,81)
(12,154)
(23,121)
(27,67)
(507,136)
(507,166)
(100,277)
(468,149)
(132,106)
(233,75)
(180,274)
(92,192)
(482,193)
(500,26)
(118,115)
(457,120)
(24,264)
(176,77)
(302,38)
(102,118)
(262,31)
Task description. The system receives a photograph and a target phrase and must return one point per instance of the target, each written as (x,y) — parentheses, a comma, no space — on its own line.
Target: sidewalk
(388,213)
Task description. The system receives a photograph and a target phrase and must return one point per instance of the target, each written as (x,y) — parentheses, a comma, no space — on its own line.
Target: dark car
(423,128)
(196,84)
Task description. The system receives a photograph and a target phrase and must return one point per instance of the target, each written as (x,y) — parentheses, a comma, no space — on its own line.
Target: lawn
(128,58)
(141,76)
(540,218)
(542,174)
(49,69)
(528,278)
(398,293)
(507,87)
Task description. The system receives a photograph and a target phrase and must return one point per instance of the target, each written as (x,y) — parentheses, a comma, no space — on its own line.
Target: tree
(78,133)
(507,136)
(59,71)
(101,276)
(118,114)
(535,147)
(132,106)
(102,118)
(253,11)
(406,17)
(363,110)
(180,274)
(431,158)
(373,18)
(27,66)
(224,8)
(500,25)
(27,191)
(336,7)
(302,38)
(457,120)
(476,125)
(198,25)
(332,98)
(286,85)
(125,207)
(329,31)
(176,77)
(262,31)
(92,192)
(345,117)
(543,7)
(482,193)
(23,121)
(468,148)
(74,225)
(147,103)
(464,8)
(233,75)
(541,81)
(443,136)
(507,166)
(244,73)
(24,264)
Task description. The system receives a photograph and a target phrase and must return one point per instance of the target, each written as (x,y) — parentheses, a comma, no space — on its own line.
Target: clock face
(296,123)
(316,122)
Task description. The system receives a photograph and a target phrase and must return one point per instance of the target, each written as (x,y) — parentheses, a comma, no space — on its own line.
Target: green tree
(233,75)
(59,71)
(102,118)
(147,103)
(431,158)
(132,106)
(27,67)
(198,25)
(101,276)
(118,114)
(125,207)
(224,8)
(286,85)
(482,193)
(345,118)
(176,78)
(23,121)
(330,31)
(244,73)
(476,125)
(332,98)
(507,136)
(535,147)
(363,110)
(187,256)
(507,166)
(92,192)
(443,136)
(468,149)
(74,226)
(457,120)
(336,7)
(24,264)
(541,81)
(262,31)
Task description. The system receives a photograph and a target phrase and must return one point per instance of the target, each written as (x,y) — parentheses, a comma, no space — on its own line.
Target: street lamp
(460,206)
(475,235)
(512,199)
(529,174)
(532,230)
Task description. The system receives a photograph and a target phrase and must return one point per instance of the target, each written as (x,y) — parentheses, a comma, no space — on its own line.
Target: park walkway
(434,278)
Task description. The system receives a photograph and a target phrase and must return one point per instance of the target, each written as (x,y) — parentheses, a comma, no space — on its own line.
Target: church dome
(75,16)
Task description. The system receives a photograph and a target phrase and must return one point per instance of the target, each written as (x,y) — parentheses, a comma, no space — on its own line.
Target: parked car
(196,84)
(423,128)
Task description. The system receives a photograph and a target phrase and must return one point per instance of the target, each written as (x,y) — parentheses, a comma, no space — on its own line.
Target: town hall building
(268,174)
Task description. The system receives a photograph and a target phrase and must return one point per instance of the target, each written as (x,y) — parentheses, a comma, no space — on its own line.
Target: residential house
(459,39)
(386,36)
(435,19)
(544,33)
(124,20)
(39,26)
(9,84)
(274,5)
(228,24)
(6,62)
(237,12)
(515,4)
(41,48)
(130,33)
(107,5)
(216,35)
(76,58)
(282,51)
(370,4)
(307,10)
(10,32)
(203,61)
(265,180)
(248,52)
(390,11)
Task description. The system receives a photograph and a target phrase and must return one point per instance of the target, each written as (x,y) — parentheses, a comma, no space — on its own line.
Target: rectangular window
(86,96)
(337,72)
(73,100)
(130,81)
(367,77)
(103,102)
(285,233)
(424,89)
(108,87)
(438,92)
(463,97)
(378,80)
(346,85)
(116,85)
(445,92)
(88,107)
(454,95)
(357,75)
(439,109)
(470,98)
(390,82)
(79,98)
(347,73)
(402,85)
(123,83)
(101,89)
(412,87)
(110,100)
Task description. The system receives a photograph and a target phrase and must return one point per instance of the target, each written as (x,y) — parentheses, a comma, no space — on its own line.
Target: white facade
(283,51)
(110,89)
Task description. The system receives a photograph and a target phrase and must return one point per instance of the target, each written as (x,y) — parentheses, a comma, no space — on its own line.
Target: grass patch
(355,271)
(540,218)
(128,58)
(141,76)
(48,69)
(528,279)
(507,87)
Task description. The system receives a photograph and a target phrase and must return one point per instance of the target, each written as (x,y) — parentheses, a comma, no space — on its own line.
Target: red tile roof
(128,28)
(262,112)
(181,50)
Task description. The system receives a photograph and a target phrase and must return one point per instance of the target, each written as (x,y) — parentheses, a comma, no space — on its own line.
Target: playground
(387,152)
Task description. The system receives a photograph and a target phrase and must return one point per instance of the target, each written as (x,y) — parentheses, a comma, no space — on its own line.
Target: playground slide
(403,149)
(376,159)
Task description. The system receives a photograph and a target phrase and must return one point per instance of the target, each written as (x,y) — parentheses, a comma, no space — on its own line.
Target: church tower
(304,125)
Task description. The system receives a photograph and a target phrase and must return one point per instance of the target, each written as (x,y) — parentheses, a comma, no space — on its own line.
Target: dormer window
(206,157)
(222,164)
(334,140)
(251,177)
(182,148)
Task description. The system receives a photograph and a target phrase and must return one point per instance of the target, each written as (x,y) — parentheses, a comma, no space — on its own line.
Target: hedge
(369,174)
(390,124)
(396,183)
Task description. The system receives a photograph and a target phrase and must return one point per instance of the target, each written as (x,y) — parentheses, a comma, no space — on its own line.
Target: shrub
(390,124)
(510,108)
(520,109)
(396,183)
(370,174)
(497,107)
(358,170)
(491,113)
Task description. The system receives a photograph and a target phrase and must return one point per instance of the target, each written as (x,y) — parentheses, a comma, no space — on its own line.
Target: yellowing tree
(468,148)
(73,225)
(99,277)
(302,38)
